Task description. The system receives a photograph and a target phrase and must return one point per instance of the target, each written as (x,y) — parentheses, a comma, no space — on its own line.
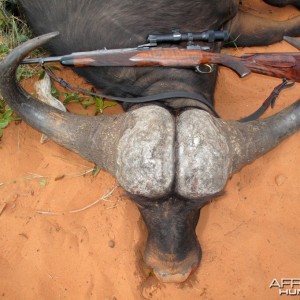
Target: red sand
(249,236)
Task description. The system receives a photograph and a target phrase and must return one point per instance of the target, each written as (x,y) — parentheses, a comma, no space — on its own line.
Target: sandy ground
(249,236)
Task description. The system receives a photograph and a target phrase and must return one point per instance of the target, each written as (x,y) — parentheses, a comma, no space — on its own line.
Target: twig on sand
(2,207)
(25,178)
(75,163)
(78,174)
(95,202)
(33,176)
(103,198)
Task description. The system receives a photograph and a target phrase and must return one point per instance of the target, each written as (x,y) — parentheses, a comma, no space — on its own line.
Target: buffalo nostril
(175,275)
(169,269)
(173,278)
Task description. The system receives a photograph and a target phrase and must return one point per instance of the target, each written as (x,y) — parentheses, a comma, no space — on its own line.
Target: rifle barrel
(41,60)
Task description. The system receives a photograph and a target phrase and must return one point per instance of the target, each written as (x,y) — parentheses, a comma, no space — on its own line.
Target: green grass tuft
(13,30)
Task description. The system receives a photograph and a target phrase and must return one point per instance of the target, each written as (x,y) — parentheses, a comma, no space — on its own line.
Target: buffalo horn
(294,42)
(94,138)
(250,140)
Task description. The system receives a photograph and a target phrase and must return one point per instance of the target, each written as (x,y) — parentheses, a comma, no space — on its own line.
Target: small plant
(87,101)
(55,92)
(6,116)
(72,97)
(96,171)
(99,103)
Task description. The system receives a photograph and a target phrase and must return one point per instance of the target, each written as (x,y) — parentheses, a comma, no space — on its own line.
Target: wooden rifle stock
(281,65)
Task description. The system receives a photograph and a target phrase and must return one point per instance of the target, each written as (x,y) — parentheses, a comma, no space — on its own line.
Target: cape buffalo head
(171,165)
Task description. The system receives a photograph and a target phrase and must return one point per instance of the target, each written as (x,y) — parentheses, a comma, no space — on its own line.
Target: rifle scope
(209,36)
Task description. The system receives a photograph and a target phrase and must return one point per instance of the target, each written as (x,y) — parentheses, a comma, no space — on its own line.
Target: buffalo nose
(176,272)
(169,269)
(173,278)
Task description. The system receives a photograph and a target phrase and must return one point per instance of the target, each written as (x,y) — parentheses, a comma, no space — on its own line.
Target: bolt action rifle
(280,65)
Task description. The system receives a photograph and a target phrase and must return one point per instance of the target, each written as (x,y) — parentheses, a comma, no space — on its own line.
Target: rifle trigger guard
(209,69)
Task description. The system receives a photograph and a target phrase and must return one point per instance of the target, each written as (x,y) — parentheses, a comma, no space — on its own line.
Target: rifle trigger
(209,69)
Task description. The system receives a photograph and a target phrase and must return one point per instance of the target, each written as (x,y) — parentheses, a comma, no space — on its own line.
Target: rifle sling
(143,99)
(270,101)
